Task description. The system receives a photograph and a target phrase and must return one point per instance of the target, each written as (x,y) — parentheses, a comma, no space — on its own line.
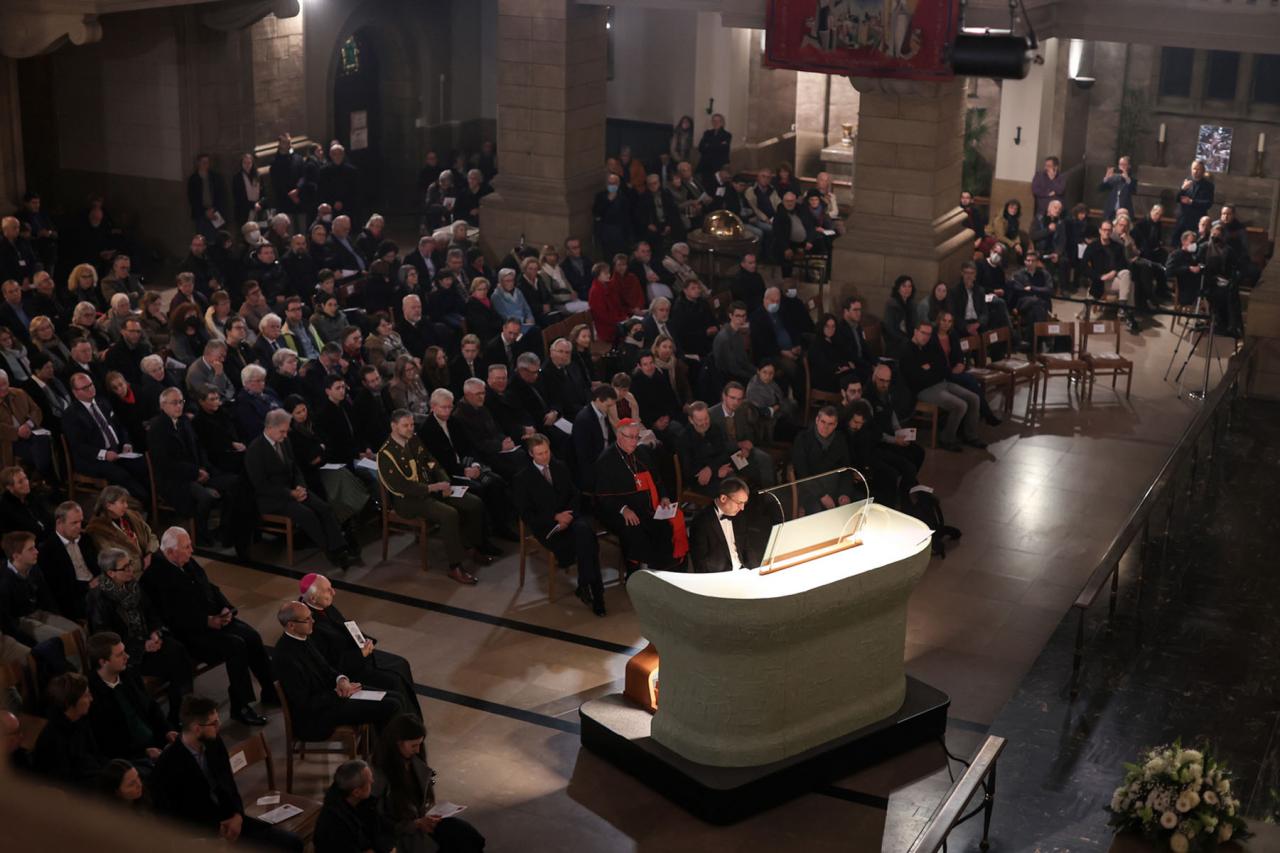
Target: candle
(1262,142)
(1160,138)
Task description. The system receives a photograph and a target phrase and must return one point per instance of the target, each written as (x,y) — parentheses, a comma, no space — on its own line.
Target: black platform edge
(745,791)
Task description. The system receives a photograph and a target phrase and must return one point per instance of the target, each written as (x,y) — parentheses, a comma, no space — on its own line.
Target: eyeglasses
(739,503)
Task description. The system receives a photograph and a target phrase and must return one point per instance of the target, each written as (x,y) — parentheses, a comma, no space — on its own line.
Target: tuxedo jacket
(588,443)
(708,549)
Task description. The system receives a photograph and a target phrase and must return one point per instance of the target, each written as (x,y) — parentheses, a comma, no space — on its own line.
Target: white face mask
(792,293)
(993,258)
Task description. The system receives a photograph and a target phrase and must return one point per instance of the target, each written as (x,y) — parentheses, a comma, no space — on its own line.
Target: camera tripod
(1197,334)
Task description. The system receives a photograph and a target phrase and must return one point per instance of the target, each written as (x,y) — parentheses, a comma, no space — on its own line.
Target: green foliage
(978,171)
(1135,115)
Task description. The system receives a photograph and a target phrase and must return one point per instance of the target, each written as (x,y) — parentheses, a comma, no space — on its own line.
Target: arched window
(349,57)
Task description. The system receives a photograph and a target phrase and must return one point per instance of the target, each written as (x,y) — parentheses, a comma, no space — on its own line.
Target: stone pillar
(907,163)
(279,82)
(1025,132)
(551,111)
(11,168)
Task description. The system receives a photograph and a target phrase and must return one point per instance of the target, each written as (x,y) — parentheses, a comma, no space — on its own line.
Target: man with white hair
(269,337)
(467,206)
(676,263)
(342,248)
(416,332)
(184,476)
(202,618)
(449,442)
(254,401)
(362,661)
(280,489)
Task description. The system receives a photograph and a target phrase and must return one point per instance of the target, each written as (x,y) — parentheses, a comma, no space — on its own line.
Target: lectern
(774,681)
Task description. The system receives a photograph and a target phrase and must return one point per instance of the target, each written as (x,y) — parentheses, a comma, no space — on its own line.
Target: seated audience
(628,493)
(202,618)
(69,560)
(28,610)
(349,820)
(114,524)
(418,487)
(127,723)
(704,452)
(925,371)
(550,507)
(100,444)
(67,751)
(404,787)
(319,697)
(119,605)
(193,782)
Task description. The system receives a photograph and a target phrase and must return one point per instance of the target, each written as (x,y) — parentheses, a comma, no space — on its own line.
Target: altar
(772,682)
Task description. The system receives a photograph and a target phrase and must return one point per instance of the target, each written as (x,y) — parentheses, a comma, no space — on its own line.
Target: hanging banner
(909,39)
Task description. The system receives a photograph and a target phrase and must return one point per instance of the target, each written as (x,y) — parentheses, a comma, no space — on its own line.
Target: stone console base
(617,731)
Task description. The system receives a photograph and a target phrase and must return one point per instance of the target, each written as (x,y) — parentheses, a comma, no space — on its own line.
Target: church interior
(647,425)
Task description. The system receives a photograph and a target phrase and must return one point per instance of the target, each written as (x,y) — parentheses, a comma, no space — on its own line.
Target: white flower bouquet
(1180,798)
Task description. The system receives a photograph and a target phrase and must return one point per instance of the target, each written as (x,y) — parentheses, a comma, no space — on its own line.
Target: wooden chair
(353,741)
(527,543)
(687,495)
(392,520)
(816,399)
(928,413)
(986,377)
(281,525)
(76,482)
(1068,364)
(1021,371)
(254,751)
(157,505)
(1105,363)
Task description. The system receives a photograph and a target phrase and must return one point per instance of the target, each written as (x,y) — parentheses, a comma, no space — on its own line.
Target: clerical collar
(295,636)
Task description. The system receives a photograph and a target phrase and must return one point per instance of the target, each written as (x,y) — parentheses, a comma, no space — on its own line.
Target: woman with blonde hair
(581,336)
(563,296)
(82,286)
(44,339)
(664,356)
(114,524)
(217,315)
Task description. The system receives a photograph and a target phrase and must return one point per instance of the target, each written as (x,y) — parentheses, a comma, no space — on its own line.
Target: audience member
(67,751)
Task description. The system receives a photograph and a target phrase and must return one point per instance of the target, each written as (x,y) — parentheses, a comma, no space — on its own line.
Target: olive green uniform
(405,472)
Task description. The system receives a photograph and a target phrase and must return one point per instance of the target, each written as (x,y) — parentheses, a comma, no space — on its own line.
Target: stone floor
(502,670)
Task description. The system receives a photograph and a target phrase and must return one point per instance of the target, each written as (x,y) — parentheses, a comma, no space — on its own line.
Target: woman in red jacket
(605,301)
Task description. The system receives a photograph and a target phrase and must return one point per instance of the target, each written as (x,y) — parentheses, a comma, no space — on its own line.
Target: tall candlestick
(1160,138)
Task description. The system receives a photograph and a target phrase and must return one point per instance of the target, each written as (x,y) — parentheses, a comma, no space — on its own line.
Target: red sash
(679,538)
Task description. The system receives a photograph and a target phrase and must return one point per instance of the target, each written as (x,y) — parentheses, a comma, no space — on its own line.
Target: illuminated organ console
(777,679)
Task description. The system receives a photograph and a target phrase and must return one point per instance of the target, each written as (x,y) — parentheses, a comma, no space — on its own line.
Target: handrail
(949,811)
(1138,519)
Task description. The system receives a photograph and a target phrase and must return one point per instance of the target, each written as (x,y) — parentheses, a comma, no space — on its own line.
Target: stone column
(907,163)
(11,168)
(1025,132)
(551,112)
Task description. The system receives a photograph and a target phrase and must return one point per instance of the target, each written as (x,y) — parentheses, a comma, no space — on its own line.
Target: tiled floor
(502,684)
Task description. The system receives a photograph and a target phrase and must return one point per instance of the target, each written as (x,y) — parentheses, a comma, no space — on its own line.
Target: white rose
(1224,786)
(1190,755)
(1197,771)
(1179,843)
(1168,820)
(1117,800)
(1184,803)
(1224,833)
(1211,798)
(1154,766)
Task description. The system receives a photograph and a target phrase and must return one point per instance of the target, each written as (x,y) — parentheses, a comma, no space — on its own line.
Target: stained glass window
(349,57)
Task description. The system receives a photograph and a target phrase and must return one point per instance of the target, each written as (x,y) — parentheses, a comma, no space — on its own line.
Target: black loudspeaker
(1005,57)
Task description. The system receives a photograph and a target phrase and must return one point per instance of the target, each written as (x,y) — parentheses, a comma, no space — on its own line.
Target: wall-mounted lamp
(1080,63)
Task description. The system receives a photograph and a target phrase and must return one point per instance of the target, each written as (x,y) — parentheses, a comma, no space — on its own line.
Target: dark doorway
(357,113)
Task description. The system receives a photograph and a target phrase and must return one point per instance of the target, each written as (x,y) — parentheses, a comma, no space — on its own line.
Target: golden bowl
(723,225)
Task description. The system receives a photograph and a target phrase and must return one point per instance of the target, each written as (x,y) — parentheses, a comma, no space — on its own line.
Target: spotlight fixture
(985,52)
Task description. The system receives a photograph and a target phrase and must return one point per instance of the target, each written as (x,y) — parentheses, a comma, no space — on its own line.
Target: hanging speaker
(1004,57)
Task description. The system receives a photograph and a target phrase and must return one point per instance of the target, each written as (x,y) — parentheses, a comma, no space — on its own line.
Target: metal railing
(1164,484)
(980,774)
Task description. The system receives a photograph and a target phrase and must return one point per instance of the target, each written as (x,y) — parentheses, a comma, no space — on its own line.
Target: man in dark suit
(449,443)
(320,698)
(660,408)
(216,431)
(526,392)
(205,622)
(566,389)
(18,510)
(506,347)
(280,489)
(550,507)
(338,184)
(193,782)
(592,433)
(1194,199)
(466,365)
(185,478)
(704,452)
(748,285)
(693,320)
(713,149)
(719,540)
(576,267)
(772,337)
(126,721)
(416,332)
(658,322)
(514,421)
(364,662)
(13,311)
(657,216)
(491,443)
(334,423)
(69,561)
(98,440)
(851,342)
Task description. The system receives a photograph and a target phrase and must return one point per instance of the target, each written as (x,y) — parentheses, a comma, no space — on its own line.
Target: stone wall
(11,169)
(279,85)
